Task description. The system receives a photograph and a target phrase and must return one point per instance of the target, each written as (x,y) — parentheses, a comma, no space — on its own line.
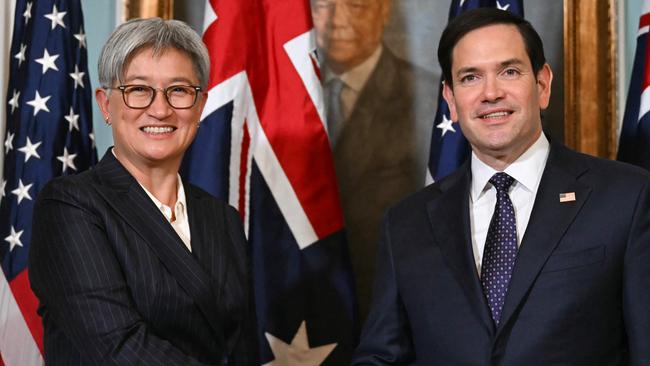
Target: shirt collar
(179,206)
(357,77)
(526,170)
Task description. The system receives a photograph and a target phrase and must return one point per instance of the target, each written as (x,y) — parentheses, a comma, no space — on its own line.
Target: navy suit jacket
(579,294)
(117,286)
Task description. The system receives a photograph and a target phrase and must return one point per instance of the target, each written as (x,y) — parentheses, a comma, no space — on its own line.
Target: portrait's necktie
(334,107)
(500,247)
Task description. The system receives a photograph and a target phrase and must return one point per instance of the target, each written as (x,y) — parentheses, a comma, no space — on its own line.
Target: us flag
(262,146)
(449,148)
(634,144)
(48,133)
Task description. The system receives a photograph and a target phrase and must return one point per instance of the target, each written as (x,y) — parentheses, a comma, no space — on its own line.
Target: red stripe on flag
(28,303)
(286,112)
(644,21)
(314,64)
(243,171)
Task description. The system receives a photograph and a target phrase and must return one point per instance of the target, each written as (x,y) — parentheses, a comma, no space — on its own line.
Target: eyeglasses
(141,96)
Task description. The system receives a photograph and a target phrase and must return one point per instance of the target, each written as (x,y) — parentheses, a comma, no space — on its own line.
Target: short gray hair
(137,34)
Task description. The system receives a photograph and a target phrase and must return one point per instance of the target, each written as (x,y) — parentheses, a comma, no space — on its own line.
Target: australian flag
(449,148)
(262,146)
(634,144)
(48,133)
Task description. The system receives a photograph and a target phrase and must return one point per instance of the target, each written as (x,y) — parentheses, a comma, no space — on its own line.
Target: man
(379,114)
(529,254)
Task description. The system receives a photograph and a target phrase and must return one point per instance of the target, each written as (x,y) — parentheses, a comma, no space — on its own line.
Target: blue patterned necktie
(500,247)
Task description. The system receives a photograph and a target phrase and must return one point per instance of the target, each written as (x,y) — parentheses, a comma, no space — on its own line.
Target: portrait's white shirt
(527,171)
(355,79)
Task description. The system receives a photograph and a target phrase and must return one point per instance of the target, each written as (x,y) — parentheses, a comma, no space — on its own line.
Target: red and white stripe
(280,127)
(21,332)
(644,26)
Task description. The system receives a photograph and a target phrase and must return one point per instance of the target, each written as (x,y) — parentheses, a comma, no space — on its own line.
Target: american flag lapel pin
(567,197)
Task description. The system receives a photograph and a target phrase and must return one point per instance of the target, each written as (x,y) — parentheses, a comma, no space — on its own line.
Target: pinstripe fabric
(117,285)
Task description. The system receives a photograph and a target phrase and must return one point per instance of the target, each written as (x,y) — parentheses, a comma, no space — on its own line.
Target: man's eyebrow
(473,69)
(512,62)
(467,70)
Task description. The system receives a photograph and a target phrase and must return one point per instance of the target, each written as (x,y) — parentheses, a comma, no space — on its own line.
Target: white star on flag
(77,76)
(67,160)
(2,189)
(502,7)
(30,149)
(39,103)
(28,12)
(48,61)
(73,120)
(13,102)
(14,238)
(56,17)
(22,191)
(21,54)
(298,352)
(81,37)
(446,125)
(91,136)
(9,142)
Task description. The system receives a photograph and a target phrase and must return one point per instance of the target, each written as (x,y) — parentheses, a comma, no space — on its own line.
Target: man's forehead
(504,44)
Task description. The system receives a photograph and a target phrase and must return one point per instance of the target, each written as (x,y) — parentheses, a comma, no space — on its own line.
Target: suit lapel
(449,217)
(205,248)
(548,222)
(122,192)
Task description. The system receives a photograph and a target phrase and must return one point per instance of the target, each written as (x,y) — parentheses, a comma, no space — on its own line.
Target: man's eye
(468,78)
(511,72)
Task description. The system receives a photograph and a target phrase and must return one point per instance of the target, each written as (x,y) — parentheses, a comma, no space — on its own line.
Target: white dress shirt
(527,171)
(181,223)
(354,79)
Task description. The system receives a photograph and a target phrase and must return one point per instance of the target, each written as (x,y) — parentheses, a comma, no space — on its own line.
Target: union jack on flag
(634,144)
(262,146)
(48,133)
(449,148)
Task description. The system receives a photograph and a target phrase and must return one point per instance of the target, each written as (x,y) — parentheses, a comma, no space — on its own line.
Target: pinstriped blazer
(117,286)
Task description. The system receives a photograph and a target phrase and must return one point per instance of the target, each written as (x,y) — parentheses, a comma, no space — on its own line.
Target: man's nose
(339,14)
(492,89)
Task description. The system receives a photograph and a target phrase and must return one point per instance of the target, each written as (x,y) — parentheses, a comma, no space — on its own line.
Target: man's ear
(544,80)
(448,94)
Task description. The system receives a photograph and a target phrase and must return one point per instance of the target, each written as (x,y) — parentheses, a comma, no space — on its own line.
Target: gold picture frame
(147,9)
(590,109)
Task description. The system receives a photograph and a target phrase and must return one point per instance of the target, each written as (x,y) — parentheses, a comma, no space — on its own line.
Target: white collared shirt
(527,171)
(181,224)
(355,79)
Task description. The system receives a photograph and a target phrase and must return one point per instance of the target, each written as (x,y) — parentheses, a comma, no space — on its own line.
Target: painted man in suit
(130,264)
(379,113)
(529,254)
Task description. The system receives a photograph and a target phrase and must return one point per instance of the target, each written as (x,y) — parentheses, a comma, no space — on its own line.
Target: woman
(130,264)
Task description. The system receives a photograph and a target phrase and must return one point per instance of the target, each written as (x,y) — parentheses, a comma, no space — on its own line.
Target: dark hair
(483,17)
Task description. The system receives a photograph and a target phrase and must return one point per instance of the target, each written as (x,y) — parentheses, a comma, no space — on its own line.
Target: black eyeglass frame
(122,88)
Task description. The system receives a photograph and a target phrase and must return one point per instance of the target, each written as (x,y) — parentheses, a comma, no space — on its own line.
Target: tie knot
(335,86)
(502,181)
